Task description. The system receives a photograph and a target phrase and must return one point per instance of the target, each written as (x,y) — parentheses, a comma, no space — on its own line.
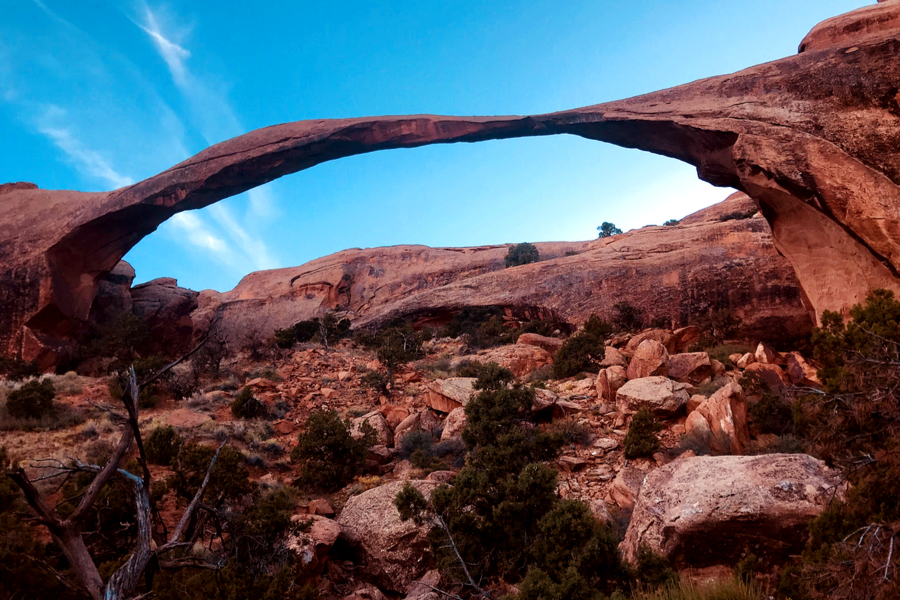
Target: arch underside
(812,138)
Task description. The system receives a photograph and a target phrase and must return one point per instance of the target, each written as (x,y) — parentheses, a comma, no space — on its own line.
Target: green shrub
(229,480)
(654,570)
(580,353)
(34,400)
(608,230)
(671,222)
(163,445)
(127,338)
(641,439)
(328,456)
(522,254)
(328,330)
(16,369)
(246,406)
(739,215)
(627,317)
(376,381)
(574,432)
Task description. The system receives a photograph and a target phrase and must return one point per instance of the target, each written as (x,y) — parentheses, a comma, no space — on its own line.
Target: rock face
(393,552)
(813,138)
(707,510)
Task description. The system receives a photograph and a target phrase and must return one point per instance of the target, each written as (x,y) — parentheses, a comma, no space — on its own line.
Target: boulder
(694,401)
(608,382)
(383,434)
(113,297)
(320,506)
(543,400)
(166,308)
(394,553)
(550,344)
(521,359)
(613,357)
(454,424)
(394,415)
(772,375)
(410,423)
(650,359)
(664,337)
(423,589)
(721,420)
(366,592)
(626,486)
(310,548)
(691,367)
(444,395)
(662,396)
(745,361)
(708,510)
(800,372)
(686,337)
(767,355)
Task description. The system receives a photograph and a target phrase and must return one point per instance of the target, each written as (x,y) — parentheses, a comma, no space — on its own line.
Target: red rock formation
(813,138)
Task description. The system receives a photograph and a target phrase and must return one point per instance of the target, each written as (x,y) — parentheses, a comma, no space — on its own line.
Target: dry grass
(732,589)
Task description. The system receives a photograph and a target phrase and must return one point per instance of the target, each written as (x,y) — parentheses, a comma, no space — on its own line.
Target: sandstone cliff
(675,273)
(813,138)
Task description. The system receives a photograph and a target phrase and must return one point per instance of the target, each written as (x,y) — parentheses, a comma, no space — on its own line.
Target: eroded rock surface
(813,138)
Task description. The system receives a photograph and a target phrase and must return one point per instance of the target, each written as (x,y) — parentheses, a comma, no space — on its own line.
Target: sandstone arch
(813,138)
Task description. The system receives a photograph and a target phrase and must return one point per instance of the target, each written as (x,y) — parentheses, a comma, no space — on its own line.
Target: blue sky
(98,94)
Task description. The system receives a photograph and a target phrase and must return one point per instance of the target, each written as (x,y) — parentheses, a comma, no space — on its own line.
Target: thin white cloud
(253,248)
(87,161)
(198,234)
(174,55)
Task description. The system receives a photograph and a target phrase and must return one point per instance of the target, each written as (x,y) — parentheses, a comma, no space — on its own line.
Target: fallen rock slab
(660,395)
(650,359)
(444,395)
(706,510)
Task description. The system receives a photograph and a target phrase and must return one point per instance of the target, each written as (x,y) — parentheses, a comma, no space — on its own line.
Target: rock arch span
(813,138)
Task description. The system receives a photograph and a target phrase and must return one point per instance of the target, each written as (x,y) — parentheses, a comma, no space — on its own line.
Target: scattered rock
(767,355)
(662,396)
(521,359)
(393,552)
(320,506)
(706,510)
(394,415)
(745,361)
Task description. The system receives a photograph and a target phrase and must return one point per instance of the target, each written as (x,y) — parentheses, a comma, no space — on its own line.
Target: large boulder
(772,375)
(721,421)
(707,510)
(800,372)
(394,553)
(650,359)
(660,395)
(166,308)
(444,395)
(626,486)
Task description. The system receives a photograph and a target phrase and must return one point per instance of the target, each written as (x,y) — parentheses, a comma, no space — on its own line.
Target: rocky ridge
(811,138)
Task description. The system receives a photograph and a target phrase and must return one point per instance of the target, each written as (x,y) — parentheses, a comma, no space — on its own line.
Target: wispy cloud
(87,161)
(216,121)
